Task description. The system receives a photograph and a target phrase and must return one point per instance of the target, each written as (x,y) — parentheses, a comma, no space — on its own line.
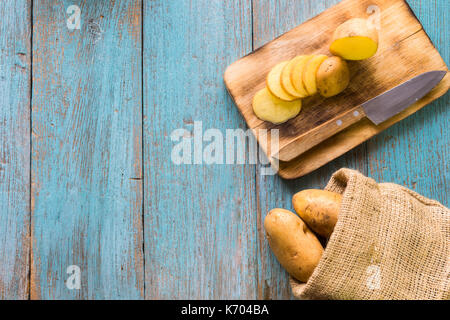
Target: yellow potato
(319,209)
(332,77)
(286,80)
(297,74)
(269,108)
(274,83)
(297,249)
(310,71)
(355,39)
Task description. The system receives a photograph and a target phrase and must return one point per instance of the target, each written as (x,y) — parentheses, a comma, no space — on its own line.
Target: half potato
(355,39)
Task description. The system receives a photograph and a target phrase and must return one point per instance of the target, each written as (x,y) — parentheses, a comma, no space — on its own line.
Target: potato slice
(286,81)
(310,71)
(269,108)
(274,83)
(355,39)
(297,74)
(332,77)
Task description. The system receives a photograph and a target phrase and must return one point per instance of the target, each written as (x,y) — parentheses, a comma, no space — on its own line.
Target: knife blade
(394,101)
(377,110)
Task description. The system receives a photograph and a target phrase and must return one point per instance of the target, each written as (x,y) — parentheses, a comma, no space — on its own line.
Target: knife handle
(319,134)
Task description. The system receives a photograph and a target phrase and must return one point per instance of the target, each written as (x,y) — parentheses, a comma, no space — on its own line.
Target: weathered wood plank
(15,73)
(415,152)
(86,159)
(200,220)
(271,19)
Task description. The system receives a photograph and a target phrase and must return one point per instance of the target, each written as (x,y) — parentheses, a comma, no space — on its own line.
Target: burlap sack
(389,243)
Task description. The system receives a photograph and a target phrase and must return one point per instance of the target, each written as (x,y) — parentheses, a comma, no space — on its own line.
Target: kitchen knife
(377,110)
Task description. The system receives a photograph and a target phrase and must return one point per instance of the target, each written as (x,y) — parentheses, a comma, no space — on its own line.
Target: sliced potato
(274,83)
(332,77)
(355,39)
(286,81)
(269,108)
(310,72)
(297,74)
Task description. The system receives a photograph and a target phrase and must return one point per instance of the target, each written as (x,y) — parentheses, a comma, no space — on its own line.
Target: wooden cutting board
(405,51)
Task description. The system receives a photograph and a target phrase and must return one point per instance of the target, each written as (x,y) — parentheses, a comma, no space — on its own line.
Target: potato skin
(355,27)
(319,209)
(295,246)
(333,77)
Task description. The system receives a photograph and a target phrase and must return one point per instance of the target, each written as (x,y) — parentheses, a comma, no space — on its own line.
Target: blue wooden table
(87,185)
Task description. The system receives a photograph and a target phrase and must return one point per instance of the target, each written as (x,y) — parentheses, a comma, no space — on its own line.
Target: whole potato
(297,249)
(319,209)
(333,77)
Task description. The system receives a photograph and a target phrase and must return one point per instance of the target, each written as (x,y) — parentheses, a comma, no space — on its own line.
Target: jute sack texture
(389,243)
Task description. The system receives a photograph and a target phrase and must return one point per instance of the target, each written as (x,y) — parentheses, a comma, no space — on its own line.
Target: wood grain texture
(404,52)
(200,220)
(415,152)
(86,159)
(203,224)
(15,73)
(272,18)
